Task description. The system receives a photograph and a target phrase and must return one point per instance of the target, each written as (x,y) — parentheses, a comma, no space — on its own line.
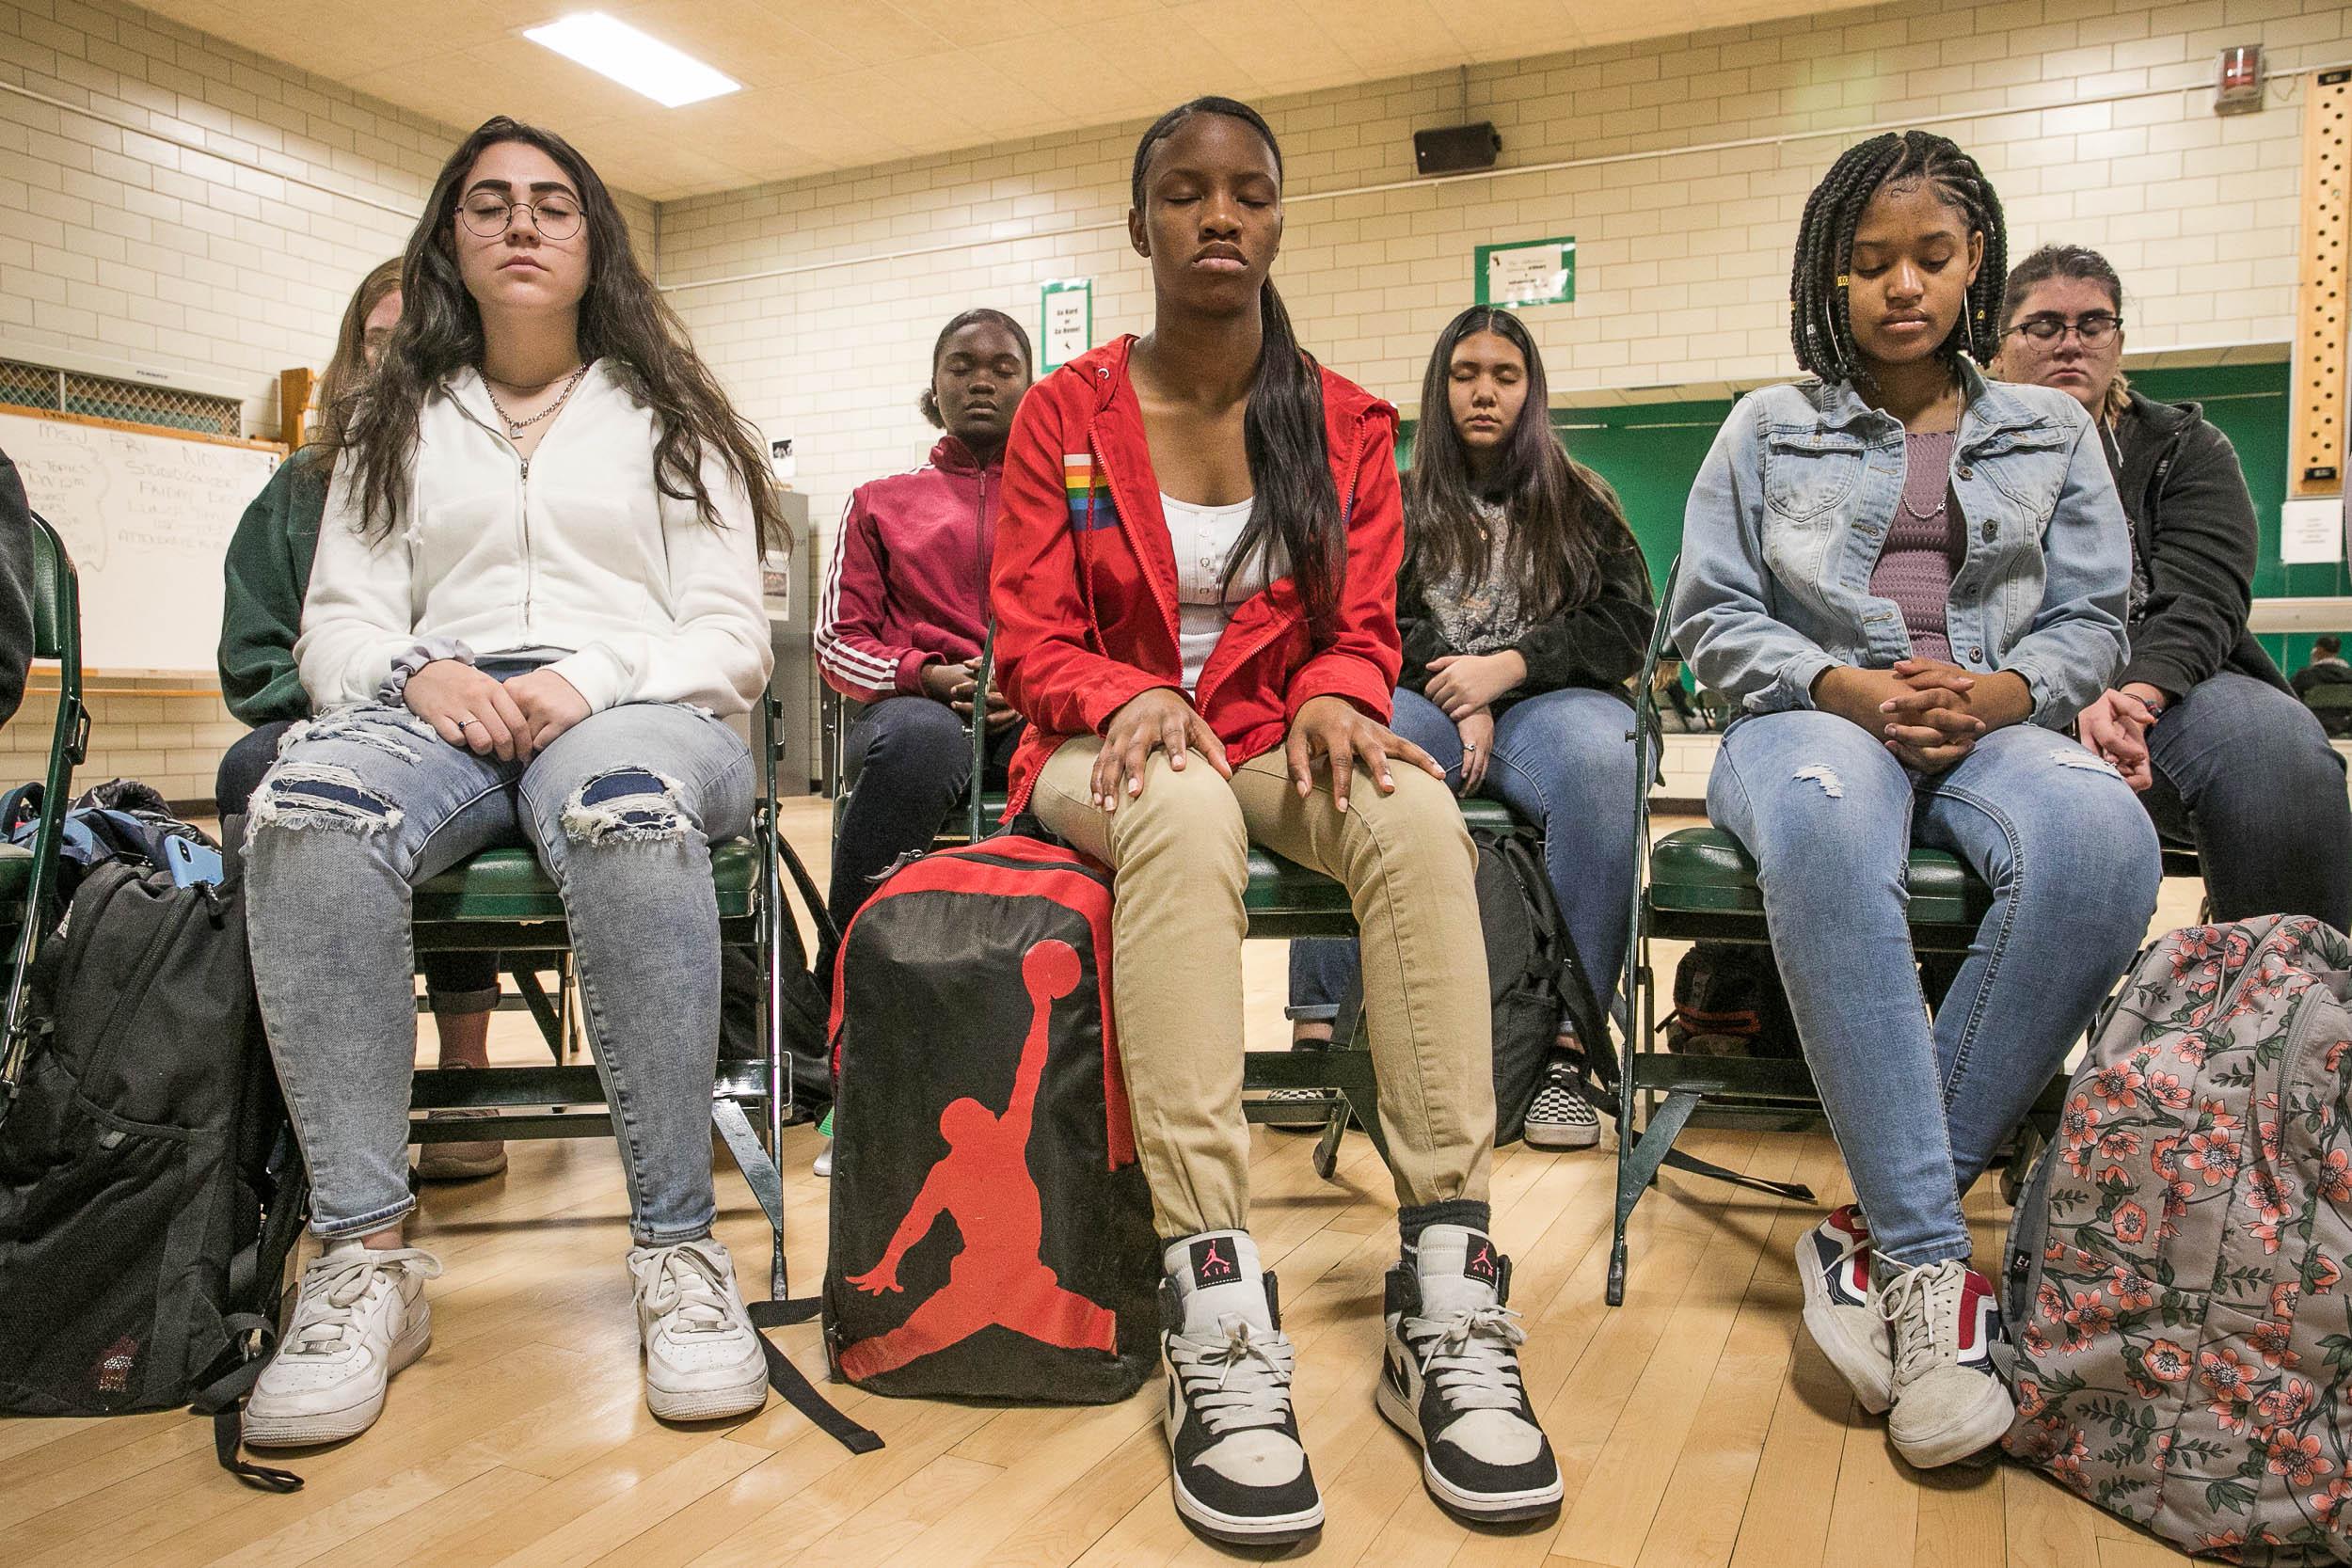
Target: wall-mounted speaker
(1456,148)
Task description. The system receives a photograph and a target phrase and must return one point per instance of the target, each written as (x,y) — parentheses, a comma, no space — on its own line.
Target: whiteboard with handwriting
(147,519)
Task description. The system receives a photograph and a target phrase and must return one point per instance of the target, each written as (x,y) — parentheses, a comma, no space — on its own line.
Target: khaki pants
(1179,852)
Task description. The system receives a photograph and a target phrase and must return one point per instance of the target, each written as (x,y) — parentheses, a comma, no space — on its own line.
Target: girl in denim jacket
(1910,580)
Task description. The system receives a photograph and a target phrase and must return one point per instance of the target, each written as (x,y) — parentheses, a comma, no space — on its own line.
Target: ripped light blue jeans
(1829,816)
(621,809)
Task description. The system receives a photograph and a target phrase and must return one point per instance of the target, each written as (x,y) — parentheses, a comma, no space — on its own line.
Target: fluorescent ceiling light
(639,62)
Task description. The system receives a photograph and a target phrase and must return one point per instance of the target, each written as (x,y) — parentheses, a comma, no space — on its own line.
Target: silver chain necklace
(515,426)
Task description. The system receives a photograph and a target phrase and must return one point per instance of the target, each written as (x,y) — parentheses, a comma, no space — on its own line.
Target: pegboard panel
(2316,447)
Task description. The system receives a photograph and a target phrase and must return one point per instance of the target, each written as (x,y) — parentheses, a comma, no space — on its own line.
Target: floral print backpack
(2175,1269)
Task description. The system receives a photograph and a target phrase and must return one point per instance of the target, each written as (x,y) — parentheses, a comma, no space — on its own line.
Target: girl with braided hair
(1911,579)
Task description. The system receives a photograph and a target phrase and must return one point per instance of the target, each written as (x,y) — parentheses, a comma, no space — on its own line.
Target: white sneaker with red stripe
(1840,1312)
(1949,1401)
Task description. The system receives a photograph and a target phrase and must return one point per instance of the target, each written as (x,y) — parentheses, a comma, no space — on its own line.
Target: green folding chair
(502,900)
(28,878)
(1697,884)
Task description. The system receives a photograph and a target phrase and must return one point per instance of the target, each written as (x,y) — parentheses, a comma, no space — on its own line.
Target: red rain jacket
(1083,583)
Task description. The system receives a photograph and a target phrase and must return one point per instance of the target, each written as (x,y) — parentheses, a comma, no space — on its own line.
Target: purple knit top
(1923,547)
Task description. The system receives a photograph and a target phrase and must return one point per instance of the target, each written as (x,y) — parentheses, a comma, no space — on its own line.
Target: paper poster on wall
(1527,272)
(2311,530)
(1066,320)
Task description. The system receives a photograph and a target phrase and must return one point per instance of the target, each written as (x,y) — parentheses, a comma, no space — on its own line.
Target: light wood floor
(1697,1428)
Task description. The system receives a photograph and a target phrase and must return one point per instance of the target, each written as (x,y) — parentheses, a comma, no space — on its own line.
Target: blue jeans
(1830,817)
(905,765)
(456,983)
(621,809)
(2244,771)
(1562,760)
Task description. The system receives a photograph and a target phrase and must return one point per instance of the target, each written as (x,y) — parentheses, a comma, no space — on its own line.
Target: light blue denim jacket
(1790,512)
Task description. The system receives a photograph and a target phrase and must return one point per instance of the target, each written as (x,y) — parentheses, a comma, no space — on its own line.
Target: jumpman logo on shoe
(983,1182)
(1209,1262)
(1481,1266)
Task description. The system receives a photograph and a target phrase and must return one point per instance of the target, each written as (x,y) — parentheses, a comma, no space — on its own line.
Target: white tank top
(1205,537)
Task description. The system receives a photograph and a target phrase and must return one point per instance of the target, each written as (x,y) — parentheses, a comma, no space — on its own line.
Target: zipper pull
(526,462)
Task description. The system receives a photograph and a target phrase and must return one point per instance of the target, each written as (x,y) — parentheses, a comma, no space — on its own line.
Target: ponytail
(1296,515)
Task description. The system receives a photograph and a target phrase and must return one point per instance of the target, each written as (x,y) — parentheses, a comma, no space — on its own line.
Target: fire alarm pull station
(2239,88)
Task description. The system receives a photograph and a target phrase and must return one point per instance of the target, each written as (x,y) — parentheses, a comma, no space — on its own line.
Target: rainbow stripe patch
(1090,497)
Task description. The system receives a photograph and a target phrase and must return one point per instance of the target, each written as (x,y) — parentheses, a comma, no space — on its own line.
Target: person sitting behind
(905,609)
(2326,668)
(2197,721)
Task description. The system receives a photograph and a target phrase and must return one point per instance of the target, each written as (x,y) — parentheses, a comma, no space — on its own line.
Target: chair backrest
(57,634)
(57,598)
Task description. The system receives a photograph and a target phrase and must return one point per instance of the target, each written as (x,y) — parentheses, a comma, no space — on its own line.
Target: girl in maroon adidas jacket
(905,609)
(1195,591)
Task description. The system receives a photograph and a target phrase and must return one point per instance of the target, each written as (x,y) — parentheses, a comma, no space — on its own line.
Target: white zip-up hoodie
(575,549)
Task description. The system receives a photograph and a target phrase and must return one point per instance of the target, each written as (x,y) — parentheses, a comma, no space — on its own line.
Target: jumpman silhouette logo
(983,1182)
(1209,1264)
(1481,1265)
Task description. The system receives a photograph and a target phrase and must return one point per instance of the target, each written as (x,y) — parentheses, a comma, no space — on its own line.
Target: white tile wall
(200,213)
(158,246)
(1682,260)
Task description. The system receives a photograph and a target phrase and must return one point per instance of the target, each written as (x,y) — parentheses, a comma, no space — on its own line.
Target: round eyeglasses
(485,215)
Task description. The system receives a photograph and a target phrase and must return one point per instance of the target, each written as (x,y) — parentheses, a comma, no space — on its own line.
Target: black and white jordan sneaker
(1240,1472)
(1452,1381)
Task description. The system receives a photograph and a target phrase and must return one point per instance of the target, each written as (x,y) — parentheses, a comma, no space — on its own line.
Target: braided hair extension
(1296,515)
(1820,325)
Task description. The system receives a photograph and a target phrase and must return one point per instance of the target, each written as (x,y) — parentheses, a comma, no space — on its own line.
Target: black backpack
(142,1235)
(992,1229)
(1728,1002)
(1534,977)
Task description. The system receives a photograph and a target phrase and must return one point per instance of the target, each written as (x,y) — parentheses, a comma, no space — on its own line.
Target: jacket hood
(1346,405)
(2165,419)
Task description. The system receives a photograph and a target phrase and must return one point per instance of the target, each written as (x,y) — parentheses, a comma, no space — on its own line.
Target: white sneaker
(822,1164)
(1450,1380)
(360,1317)
(702,1354)
(1841,1306)
(1237,1468)
(1949,1401)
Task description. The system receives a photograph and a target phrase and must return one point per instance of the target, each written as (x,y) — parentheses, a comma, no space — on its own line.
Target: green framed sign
(1527,272)
(1065,309)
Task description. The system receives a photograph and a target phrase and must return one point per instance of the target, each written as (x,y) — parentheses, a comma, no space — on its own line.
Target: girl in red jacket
(1194,591)
(906,607)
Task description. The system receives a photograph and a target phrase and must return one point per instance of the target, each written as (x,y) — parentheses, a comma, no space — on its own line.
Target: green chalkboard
(1652,451)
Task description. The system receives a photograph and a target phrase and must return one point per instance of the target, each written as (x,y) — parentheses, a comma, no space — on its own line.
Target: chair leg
(1347,1030)
(1637,1166)
(759,1174)
(548,1015)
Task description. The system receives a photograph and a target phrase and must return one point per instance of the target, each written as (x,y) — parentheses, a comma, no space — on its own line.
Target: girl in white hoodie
(535,604)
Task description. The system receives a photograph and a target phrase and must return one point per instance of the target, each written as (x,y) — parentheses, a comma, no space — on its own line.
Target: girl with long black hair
(1524,609)
(1910,580)
(1195,589)
(535,603)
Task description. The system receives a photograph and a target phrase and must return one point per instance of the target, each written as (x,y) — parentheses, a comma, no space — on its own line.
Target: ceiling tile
(830,86)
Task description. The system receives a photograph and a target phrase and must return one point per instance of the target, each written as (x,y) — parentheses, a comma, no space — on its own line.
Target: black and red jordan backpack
(991,1232)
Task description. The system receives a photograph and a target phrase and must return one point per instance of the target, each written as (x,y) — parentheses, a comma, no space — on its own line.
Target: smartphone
(190,862)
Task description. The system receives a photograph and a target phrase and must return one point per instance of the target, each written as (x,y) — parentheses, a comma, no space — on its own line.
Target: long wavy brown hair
(623,320)
(340,383)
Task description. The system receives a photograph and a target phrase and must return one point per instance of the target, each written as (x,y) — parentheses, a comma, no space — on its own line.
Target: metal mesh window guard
(73,392)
